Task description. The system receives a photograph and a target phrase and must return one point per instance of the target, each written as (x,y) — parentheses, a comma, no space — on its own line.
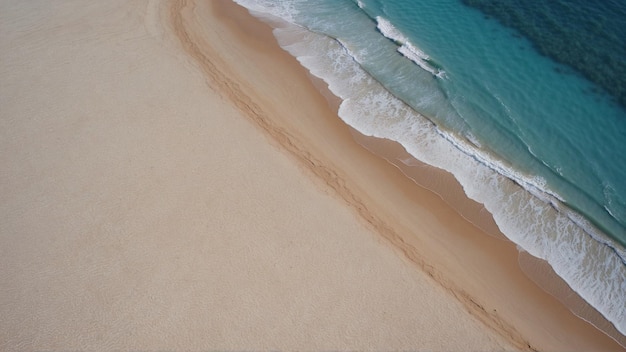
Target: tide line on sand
(172,180)
(505,324)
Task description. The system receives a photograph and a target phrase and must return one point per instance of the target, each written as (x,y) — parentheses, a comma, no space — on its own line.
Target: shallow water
(533,141)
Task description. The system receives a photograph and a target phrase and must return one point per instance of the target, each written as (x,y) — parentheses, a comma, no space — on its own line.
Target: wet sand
(172,180)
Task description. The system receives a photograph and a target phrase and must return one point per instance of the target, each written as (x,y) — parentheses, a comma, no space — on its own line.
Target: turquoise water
(541,146)
(588,36)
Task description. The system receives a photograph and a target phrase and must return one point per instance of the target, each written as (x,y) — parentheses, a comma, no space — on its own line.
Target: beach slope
(171,180)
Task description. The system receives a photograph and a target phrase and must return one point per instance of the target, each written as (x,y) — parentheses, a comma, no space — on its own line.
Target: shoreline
(492,320)
(450,191)
(174,180)
(504,199)
(143,211)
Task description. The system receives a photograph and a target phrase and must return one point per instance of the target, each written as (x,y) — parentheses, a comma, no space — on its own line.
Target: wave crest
(408,49)
(525,211)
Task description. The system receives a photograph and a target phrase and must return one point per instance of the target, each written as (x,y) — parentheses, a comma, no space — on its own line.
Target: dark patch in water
(589,37)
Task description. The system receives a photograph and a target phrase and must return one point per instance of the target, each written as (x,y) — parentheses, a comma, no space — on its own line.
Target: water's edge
(427,177)
(537,270)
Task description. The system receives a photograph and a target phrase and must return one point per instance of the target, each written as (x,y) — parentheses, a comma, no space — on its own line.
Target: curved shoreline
(320,169)
(147,207)
(288,38)
(341,186)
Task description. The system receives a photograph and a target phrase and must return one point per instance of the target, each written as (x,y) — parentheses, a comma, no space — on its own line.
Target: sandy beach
(172,180)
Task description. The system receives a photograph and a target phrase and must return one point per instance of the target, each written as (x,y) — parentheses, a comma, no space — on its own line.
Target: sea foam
(523,208)
(408,49)
(530,221)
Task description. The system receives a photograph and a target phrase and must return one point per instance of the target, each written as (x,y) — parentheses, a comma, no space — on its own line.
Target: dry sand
(171,180)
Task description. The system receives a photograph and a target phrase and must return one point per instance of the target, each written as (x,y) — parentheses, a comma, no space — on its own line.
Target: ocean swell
(408,49)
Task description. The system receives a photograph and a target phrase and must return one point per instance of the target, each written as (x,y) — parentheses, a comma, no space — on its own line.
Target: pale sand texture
(481,272)
(141,208)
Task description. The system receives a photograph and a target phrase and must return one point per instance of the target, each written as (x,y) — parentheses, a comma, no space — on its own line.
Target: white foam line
(407,49)
(523,209)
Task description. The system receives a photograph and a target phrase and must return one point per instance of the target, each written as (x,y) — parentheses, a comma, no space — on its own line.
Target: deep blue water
(523,107)
(533,130)
(587,36)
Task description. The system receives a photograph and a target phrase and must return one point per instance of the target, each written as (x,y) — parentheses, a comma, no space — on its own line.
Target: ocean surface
(523,103)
